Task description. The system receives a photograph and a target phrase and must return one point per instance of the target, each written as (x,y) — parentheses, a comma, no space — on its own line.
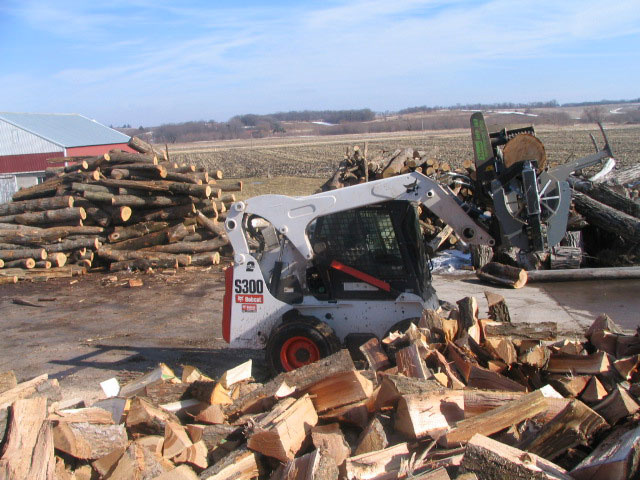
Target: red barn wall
(97,149)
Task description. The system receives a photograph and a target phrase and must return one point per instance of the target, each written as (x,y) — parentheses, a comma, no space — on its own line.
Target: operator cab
(375,252)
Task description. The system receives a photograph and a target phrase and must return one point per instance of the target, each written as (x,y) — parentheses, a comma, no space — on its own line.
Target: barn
(29,140)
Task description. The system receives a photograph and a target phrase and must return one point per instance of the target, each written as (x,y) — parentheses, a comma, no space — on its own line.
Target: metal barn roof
(65,129)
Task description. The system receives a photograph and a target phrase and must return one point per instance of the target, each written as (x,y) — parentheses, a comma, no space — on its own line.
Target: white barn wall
(15,141)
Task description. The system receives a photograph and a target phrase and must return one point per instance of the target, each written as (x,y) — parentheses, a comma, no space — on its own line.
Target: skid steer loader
(313,273)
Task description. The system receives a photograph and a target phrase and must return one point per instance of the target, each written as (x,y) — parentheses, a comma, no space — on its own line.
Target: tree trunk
(607,218)
(612,273)
(52,216)
(607,196)
(137,230)
(36,205)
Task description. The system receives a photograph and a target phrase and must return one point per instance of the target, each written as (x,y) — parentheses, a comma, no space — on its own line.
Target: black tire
(299,341)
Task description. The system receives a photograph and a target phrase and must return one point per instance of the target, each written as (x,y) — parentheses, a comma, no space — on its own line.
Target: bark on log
(36,205)
(612,273)
(492,460)
(191,247)
(603,194)
(488,423)
(163,214)
(574,426)
(122,255)
(143,264)
(44,189)
(36,253)
(73,244)
(25,439)
(142,146)
(607,218)
(21,263)
(503,275)
(134,231)
(119,157)
(51,216)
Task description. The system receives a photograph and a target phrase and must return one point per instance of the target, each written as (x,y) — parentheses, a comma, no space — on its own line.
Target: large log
(625,176)
(141,146)
(118,157)
(504,275)
(122,255)
(603,194)
(191,247)
(44,189)
(143,264)
(210,225)
(36,253)
(570,275)
(163,214)
(607,218)
(73,244)
(36,205)
(120,234)
(52,216)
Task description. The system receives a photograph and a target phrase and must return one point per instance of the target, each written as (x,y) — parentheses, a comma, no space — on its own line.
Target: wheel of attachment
(299,342)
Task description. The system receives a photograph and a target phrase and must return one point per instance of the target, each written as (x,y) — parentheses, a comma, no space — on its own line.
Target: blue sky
(147,62)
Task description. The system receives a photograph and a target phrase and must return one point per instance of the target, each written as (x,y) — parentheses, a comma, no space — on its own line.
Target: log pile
(124,210)
(357,168)
(456,396)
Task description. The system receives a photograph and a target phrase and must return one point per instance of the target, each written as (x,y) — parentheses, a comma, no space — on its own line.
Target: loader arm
(291,215)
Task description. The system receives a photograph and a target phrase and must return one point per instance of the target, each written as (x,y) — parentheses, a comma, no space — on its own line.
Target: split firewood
(340,389)
(237,374)
(372,438)
(281,432)
(212,393)
(613,459)
(374,464)
(240,464)
(145,419)
(394,387)
(594,391)
(573,426)
(28,434)
(160,374)
(410,363)
(430,414)
(375,355)
(498,309)
(490,459)
(316,465)
(330,440)
(140,462)
(527,406)
(617,405)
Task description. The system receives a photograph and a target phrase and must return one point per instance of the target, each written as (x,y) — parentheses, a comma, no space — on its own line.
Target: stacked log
(455,396)
(145,208)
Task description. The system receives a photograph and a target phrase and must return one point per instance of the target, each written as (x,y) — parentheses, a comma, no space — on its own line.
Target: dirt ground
(89,329)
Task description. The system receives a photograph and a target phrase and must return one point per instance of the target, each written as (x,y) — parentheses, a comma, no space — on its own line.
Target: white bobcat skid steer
(312,272)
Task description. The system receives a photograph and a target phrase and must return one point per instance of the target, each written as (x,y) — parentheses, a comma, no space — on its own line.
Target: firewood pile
(451,397)
(125,210)
(603,228)
(356,168)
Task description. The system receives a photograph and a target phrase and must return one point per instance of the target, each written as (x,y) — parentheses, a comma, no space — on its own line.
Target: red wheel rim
(298,351)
